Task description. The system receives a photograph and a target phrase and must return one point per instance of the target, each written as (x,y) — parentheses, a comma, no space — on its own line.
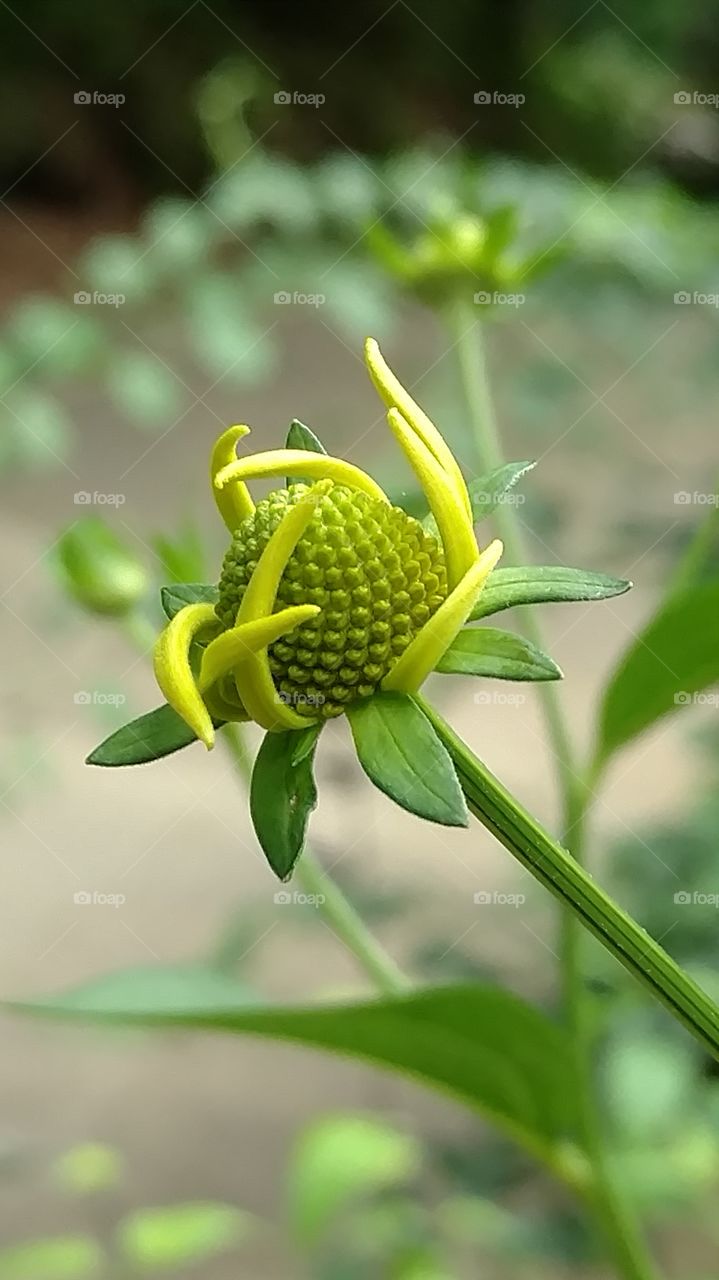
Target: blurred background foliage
(198,202)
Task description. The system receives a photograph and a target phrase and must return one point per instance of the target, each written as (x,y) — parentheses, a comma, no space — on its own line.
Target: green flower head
(328,592)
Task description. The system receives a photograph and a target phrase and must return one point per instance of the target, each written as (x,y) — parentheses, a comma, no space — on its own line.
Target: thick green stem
(618,1223)
(337,911)
(555,868)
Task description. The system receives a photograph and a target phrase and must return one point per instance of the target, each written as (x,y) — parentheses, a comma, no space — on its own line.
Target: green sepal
(150,737)
(402,755)
(499,655)
(301,437)
(175,596)
(544,584)
(282,796)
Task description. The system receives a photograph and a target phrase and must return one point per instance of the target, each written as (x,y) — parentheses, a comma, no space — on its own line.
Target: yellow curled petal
(235,503)
(299,462)
(428,646)
(173,673)
(396,397)
(456,531)
(253,677)
(229,649)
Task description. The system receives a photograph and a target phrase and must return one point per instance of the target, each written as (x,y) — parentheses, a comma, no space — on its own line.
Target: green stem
(336,909)
(555,868)
(620,1229)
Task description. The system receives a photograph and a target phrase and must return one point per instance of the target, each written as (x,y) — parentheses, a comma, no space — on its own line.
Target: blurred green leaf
(224,334)
(402,755)
(88,1168)
(544,584)
(176,233)
(183,554)
(144,389)
(487,492)
(649,1083)
(484,1046)
(58,1258)
(486,651)
(339,1159)
(180,1235)
(56,337)
(98,568)
(675,657)
(37,430)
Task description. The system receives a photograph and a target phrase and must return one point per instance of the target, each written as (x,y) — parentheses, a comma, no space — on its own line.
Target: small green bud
(99,571)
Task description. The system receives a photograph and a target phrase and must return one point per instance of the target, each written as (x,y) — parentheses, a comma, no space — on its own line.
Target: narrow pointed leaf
(158,733)
(544,584)
(671,661)
(487,651)
(484,1046)
(401,753)
(301,437)
(178,594)
(282,797)
(487,492)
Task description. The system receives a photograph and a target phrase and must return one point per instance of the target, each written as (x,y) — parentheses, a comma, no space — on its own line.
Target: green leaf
(156,734)
(282,797)
(56,1258)
(544,584)
(487,492)
(401,753)
(480,1044)
(338,1159)
(674,658)
(180,1234)
(487,651)
(178,594)
(88,1168)
(301,437)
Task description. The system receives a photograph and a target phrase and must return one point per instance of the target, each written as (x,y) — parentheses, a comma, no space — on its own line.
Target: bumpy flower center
(374,572)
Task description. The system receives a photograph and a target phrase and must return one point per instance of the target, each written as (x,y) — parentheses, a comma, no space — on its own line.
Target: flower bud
(98,569)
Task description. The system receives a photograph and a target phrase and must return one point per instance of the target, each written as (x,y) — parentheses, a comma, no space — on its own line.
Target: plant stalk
(619,1226)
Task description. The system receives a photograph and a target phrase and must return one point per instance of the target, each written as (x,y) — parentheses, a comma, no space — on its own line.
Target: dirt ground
(212,1117)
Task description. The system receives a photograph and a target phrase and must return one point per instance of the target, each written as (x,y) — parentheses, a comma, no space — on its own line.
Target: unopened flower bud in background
(99,570)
